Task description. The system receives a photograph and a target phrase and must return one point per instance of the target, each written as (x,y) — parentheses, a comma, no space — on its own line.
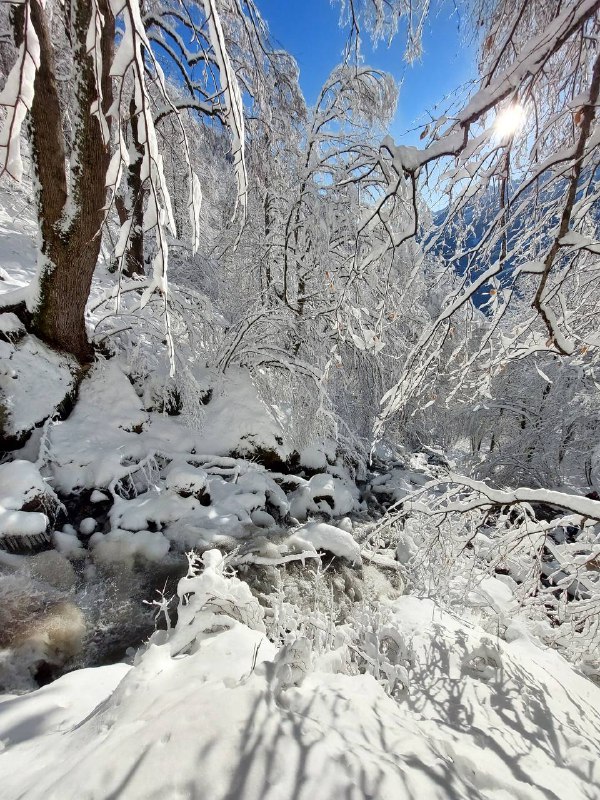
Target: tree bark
(132,205)
(70,223)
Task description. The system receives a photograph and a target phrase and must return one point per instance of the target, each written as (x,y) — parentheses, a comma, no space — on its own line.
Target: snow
(237,420)
(18,251)
(320,536)
(34,381)
(213,710)
(89,447)
(241,698)
(20,484)
(11,326)
(324,494)
(87,526)
(124,547)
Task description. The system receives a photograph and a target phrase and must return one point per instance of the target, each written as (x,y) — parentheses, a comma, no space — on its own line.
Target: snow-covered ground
(214,710)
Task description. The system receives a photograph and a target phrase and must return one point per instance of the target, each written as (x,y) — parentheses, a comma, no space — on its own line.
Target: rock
(28,506)
(262,519)
(35,383)
(11,327)
(87,526)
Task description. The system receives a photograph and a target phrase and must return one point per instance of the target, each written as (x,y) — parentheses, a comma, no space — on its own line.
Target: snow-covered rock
(322,494)
(67,543)
(124,547)
(87,526)
(237,421)
(27,504)
(11,327)
(320,536)
(318,455)
(187,481)
(102,432)
(35,382)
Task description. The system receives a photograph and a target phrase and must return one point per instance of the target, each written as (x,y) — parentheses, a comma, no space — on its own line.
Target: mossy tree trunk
(70,203)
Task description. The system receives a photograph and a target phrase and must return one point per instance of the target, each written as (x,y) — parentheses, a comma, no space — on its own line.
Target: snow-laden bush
(210,600)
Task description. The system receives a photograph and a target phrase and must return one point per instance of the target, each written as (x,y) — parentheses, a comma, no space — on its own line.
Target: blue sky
(309,30)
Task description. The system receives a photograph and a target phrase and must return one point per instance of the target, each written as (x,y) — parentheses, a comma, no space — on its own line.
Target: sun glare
(509,120)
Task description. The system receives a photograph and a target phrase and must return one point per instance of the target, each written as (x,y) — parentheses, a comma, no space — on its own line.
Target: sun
(509,120)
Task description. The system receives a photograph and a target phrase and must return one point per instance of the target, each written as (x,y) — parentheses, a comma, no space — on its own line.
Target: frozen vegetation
(299,479)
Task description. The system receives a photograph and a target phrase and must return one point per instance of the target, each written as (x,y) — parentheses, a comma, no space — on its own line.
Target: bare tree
(529,134)
(119,85)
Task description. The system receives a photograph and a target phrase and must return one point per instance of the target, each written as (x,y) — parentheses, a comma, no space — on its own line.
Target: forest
(299,413)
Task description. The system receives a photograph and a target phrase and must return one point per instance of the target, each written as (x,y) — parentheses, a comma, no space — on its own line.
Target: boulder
(28,507)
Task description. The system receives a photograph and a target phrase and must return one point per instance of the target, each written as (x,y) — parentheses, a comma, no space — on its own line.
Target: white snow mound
(212,711)
(321,536)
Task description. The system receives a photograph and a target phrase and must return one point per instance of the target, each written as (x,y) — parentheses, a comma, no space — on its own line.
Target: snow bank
(90,446)
(34,381)
(60,706)
(212,710)
(236,420)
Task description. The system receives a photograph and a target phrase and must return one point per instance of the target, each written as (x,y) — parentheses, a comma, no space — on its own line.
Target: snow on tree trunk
(70,226)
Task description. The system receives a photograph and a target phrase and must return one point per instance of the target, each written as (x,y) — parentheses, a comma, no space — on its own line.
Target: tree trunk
(70,223)
(132,205)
